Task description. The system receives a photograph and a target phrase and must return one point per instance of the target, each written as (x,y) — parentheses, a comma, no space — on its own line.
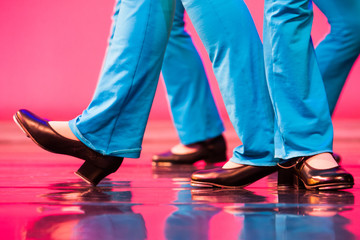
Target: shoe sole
(330,186)
(16,120)
(84,179)
(320,188)
(218,158)
(214,185)
(171,162)
(335,187)
(317,188)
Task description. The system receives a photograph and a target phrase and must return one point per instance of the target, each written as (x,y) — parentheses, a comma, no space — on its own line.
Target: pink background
(51,53)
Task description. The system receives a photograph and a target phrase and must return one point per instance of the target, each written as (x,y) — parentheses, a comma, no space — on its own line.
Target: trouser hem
(255,162)
(128,153)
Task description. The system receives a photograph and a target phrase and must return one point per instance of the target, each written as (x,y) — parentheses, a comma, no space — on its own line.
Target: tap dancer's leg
(235,50)
(287,139)
(193,108)
(337,53)
(303,128)
(113,124)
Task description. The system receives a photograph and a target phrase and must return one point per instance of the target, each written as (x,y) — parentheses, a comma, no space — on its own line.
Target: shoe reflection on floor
(88,213)
(299,214)
(76,211)
(196,207)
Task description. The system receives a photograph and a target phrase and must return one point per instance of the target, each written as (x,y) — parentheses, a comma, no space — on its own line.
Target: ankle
(229,165)
(62,128)
(322,161)
(181,149)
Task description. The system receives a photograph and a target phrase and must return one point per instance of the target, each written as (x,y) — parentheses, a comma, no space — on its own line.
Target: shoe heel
(298,183)
(285,178)
(92,174)
(215,158)
(216,150)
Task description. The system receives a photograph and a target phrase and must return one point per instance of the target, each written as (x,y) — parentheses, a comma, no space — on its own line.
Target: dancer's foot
(322,161)
(212,151)
(229,165)
(96,166)
(62,128)
(318,172)
(181,149)
(237,177)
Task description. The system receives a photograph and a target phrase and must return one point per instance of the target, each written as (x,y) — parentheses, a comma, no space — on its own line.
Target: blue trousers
(336,55)
(194,112)
(186,83)
(295,121)
(302,117)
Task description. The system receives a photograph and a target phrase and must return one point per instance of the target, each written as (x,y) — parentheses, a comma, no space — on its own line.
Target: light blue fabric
(303,123)
(115,120)
(194,112)
(229,35)
(292,225)
(337,53)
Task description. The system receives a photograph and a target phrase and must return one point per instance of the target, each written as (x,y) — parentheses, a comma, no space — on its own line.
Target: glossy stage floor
(41,198)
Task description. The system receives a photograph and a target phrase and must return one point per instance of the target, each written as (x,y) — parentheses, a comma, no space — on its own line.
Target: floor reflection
(91,218)
(76,211)
(81,192)
(189,221)
(297,214)
(41,199)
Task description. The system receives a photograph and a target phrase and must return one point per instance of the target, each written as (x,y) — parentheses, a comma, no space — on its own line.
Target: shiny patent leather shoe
(296,172)
(211,151)
(230,178)
(96,166)
(337,157)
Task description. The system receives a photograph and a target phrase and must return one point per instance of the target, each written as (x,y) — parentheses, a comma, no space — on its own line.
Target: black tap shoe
(230,178)
(296,172)
(96,166)
(211,151)
(337,158)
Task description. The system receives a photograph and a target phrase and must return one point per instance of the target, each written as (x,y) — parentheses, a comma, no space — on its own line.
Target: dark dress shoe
(337,157)
(211,151)
(96,166)
(296,172)
(230,178)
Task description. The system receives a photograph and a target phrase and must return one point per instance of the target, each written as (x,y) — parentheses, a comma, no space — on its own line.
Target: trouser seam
(276,119)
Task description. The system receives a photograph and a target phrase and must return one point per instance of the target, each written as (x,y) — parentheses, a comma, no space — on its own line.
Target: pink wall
(51,53)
